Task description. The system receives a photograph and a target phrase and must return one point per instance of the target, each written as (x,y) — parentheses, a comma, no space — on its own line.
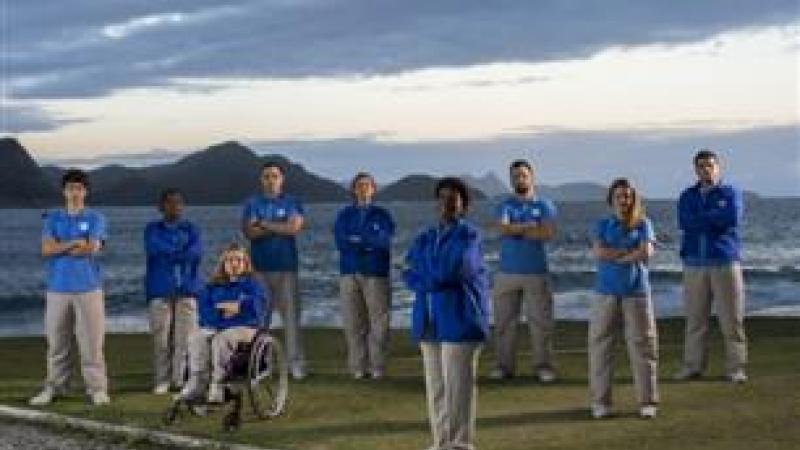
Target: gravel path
(25,437)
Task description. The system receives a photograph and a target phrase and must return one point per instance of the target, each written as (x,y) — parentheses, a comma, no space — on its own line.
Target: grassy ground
(330,411)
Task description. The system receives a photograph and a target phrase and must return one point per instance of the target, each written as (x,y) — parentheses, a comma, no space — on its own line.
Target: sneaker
(43,398)
(648,411)
(600,411)
(359,375)
(161,389)
(216,393)
(377,374)
(298,372)
(546,375)
(190,391)
(738,377)
(500,374)
(687,374)
(100,398)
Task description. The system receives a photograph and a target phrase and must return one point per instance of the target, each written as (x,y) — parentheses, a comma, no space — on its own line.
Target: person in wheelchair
(231,310)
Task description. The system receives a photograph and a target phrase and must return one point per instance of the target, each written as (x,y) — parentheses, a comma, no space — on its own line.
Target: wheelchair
(257,371)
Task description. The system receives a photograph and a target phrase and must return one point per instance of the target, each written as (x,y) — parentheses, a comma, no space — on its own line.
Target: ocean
(771,260)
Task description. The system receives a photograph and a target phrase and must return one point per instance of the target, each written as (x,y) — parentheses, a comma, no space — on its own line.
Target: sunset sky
(587,89)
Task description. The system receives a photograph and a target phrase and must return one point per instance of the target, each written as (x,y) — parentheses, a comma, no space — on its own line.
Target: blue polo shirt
(67,273)
(517,254)
(273,253)
(623,279)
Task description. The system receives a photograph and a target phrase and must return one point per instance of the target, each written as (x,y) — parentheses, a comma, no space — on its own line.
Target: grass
(329,410)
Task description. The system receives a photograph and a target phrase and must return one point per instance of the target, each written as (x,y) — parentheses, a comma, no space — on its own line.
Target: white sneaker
(546,375)
(600,411)
(648,411)
(359,375)
(738,377)
(100,398)
(298,372)
(190,390)
(216,393)
(161,389)
(499,374)
(45,397)
(377,374)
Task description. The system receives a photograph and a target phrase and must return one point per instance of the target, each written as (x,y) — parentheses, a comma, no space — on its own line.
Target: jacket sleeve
(156,246)
(690,219)
(730,215)
(472,266)
(416,274)
(382,239)
(252,306)
(343,241)
(193,248)
(205,308)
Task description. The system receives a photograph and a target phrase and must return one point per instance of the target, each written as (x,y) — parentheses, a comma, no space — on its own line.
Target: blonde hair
(634,216)
(219,276)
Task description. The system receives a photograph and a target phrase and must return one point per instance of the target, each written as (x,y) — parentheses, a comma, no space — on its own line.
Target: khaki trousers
(638,319)
(724,287)
(172,322)
(365,316)
(450,370)
(81,315)
(282,286)
(511,292)
(214,348)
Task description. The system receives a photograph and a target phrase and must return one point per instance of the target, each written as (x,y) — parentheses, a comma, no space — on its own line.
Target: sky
(588,90)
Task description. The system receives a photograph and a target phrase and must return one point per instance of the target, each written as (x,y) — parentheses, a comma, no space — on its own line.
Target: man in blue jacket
(709,215)
(271,221)
(363,235)
(172,282)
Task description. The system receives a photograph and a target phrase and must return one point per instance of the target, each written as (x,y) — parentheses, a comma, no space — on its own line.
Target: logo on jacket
(722,203)
(83,226)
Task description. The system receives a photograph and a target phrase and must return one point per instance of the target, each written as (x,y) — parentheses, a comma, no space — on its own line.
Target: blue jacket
(448,276)
(364,240)
(710,225)
(173,259)
(253,301)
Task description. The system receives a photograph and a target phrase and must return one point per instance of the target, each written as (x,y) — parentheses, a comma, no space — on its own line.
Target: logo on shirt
(375,226)
(83,226)
(722,203)
(280,212)
(535,212)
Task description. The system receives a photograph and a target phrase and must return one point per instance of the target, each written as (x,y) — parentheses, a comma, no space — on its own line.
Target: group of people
(197,325)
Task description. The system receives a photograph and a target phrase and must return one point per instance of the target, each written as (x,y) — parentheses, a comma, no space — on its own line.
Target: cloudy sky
(587,89)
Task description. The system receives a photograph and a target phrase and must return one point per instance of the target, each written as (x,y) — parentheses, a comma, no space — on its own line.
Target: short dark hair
(162,197)
(517,163)
(705,153)
(75,176)
(457,185)
(274,164)
(359,176)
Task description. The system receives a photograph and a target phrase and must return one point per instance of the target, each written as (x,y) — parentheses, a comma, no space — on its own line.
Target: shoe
(191,391)
(600,411)
(546,375)
(216,393)
(359,375)
(298,372)
(45,397)
(648,411)
(377,374)
(100,398)
(500,374)
(687,374)
(161,389)
(738,377)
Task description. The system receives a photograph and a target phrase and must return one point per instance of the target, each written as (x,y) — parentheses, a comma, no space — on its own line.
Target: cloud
(15,119)
(92,48)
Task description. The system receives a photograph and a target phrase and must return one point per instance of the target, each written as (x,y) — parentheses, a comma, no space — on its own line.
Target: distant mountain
(573,192)
(222,174)
(22,181)
(416,188)
(489,183)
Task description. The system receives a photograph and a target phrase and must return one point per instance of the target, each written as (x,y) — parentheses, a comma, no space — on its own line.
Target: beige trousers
(511,292)
(365,316)
(282,286)
(171,324)
(638,320)
(450,372)
(724,287)
(214,349)
(81,315)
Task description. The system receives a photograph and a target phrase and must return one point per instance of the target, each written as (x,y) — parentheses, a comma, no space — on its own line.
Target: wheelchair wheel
(268,377)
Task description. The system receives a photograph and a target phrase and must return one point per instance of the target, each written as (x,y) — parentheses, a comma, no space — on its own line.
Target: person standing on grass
(709,216)
(271,221)
(447,274)
(526,222)
(363,233)
(172,282)
(72,238)
(623,244)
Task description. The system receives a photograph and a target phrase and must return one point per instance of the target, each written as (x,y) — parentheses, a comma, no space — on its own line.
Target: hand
(228,309)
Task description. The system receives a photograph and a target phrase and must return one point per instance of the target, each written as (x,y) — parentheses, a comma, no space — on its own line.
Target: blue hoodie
(710,225)
(447,274)
(364,239)
(173,259)
(252,298)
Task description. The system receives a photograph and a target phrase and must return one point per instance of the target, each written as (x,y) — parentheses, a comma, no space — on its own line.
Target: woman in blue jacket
(231,310)
(172,282)
(623,244)
(363,233)
(449,318)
